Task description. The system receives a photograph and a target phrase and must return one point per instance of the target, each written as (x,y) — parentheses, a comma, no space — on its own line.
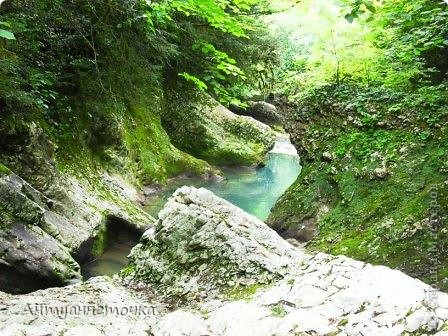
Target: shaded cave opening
(106,252)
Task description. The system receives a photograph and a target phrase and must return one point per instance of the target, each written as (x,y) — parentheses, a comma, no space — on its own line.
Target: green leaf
(196,81)
(350,17)
(7,34)
(371,8)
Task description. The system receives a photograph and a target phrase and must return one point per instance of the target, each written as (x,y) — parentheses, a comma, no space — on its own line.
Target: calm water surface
(255,190)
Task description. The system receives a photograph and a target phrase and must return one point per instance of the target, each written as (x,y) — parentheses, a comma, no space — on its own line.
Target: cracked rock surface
(202,242)
(239,278)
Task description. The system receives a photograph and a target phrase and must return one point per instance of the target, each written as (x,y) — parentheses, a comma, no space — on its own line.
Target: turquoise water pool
(254,190)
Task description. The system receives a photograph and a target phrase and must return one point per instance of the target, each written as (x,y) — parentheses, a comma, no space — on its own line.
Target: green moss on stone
(4,170)
(200,126)
(278,310)
(101,241)
(382,220)
(243,292)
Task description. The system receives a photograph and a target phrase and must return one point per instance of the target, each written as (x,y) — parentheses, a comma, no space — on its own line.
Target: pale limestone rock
(202,242)
(327,156)
(90,330)
(263,111)
(306,296)
(242,319)
(306,321)
(36,314)
(442,313)
(381,172)
(441,299)
(417,319)
(181,323)
(283,145)
(309,294)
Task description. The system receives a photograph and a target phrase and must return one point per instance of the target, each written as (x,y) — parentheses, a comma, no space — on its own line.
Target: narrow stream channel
(254,190)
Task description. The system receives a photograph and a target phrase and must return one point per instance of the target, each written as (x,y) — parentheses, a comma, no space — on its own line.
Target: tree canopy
(399,44)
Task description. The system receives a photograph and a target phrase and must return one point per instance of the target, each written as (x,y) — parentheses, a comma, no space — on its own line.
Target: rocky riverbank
(43,239)
(374,179)
(208,268)
(57,212)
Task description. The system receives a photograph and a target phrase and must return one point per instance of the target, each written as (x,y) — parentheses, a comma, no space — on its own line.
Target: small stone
(181,323)
(417,319)
(327,156)
(381,173)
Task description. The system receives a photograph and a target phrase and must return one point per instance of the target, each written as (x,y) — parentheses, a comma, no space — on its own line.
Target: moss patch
(398,219)
(279,310)
(200,126)
(4,170)
(243,292)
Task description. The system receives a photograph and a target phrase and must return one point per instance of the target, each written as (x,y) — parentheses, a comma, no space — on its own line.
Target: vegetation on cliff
(84,86)
(369,118)
(93,77)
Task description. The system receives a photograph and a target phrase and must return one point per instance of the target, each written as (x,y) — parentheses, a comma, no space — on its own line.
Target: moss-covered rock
(374,181)
(203,243)
(43,231)
(25,248)
(199,125)
(263,111)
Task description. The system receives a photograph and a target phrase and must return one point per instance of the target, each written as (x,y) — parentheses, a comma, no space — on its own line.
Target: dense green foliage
(93,75)
(222,37)
(399,44)
(369,114)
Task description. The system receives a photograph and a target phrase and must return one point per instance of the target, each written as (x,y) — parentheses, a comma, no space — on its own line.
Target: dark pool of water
(114,258)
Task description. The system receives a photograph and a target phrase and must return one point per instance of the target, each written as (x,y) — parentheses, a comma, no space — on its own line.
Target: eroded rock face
(40,237)
(209,131)
(334,296)
(263,111)
(202,243)
(25,247)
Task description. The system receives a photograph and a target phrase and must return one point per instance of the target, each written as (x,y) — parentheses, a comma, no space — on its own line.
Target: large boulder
(207,130)
(263,111)
(202,243)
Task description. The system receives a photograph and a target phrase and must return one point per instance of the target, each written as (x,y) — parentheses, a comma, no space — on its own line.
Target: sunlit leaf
(7,34)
